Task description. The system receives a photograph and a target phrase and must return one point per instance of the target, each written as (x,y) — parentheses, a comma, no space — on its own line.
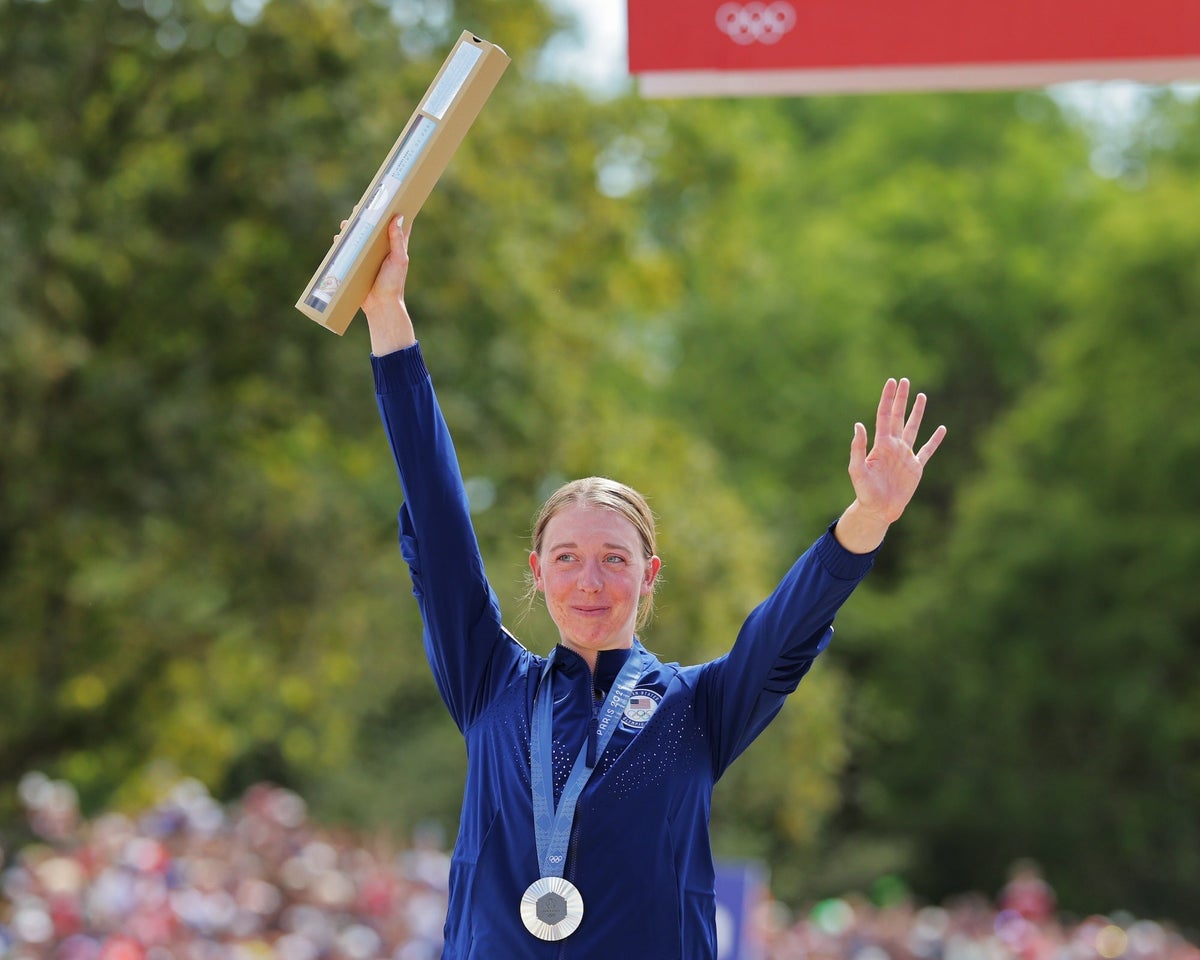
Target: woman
(584,828)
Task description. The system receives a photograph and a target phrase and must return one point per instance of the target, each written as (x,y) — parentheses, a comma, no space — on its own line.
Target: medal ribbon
(552,827)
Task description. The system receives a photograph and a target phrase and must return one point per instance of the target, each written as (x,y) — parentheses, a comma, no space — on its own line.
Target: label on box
(451,80)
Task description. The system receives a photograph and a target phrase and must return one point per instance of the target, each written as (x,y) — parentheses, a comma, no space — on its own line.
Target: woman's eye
(615,559)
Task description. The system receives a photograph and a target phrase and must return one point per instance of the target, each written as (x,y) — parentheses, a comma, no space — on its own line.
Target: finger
(397,235)
(899,408)
(858,447)
(931,445)
(883,415)
(912,428)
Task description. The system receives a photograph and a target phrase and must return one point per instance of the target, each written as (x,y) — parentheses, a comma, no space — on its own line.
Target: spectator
(1027,893)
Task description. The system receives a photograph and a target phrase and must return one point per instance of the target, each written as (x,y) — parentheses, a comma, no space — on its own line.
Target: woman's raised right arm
(471,656)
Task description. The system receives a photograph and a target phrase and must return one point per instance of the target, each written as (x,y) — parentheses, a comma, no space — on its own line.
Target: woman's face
(592,572)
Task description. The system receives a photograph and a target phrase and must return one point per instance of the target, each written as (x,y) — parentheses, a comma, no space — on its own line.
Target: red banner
(680,47)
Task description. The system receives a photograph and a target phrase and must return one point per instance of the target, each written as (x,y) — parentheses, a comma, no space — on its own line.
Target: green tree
(1041,700)
(862,238)
(191,545)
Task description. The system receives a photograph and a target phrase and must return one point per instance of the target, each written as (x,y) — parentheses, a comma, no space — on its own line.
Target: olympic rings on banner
(756,22)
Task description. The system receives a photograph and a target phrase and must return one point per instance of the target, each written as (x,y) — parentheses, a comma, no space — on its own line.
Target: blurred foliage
(198,568)
(1062,632)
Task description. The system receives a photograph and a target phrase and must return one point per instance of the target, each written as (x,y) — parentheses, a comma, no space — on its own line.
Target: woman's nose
(589,577)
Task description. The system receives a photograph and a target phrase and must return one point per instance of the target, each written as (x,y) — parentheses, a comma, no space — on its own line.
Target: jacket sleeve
(470,654)
(740,693)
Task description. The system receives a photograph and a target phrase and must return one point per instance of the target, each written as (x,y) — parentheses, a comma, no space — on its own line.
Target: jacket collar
(608,664)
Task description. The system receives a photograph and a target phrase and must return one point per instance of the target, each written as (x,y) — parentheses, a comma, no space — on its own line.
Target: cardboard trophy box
(407,177)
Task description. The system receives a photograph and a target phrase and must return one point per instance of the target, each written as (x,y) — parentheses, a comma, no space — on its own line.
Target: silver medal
(551,908)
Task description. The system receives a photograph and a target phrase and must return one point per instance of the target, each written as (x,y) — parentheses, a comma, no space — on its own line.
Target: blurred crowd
(1020,924)
(191,879)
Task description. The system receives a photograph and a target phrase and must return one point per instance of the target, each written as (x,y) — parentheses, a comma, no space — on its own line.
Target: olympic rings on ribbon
(756,22)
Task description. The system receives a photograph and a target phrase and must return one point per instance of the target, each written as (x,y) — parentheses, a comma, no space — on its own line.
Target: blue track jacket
(639,851)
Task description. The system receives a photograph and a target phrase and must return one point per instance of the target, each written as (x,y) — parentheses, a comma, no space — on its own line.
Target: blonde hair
(612,495)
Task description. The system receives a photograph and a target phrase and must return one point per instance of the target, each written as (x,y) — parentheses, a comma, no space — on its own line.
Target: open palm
(886,477)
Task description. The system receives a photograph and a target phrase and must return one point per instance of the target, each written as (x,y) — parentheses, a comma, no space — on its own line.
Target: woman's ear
(653,565)
(535,564)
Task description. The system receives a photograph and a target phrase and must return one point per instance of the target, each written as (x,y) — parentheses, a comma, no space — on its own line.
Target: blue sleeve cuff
(839,561)
(399,370)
